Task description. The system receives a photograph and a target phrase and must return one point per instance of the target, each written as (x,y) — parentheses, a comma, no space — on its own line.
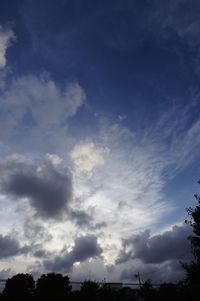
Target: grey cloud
(169,271)
(9,246)
(40,253)
(36,110)
(159,248)
(35,269)
(35,231)
(100,225)
(48,190)
(81,218)
(85,247)
(5,274)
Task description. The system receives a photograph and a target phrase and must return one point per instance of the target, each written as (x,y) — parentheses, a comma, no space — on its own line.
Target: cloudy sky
(99,136)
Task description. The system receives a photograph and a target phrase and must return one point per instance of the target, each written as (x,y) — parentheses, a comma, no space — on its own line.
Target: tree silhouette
(90,290)
(147,292)
(53,286)
(19,287)
(167,291)
(193,269)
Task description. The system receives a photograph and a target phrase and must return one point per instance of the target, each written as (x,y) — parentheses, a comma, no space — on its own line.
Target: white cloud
(38,108)
(125,191)
(128,190)
(177,136)
(6,36)
(76,97)
(86,156)
(54,159)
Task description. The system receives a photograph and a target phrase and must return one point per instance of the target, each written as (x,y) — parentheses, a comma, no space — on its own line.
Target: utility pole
(139,279)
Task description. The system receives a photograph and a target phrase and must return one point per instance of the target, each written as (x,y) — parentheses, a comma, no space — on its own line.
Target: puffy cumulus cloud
(86,156)
(170,245)
(9,246)
(39,104)
(85,247)
(6,37)
(47,189)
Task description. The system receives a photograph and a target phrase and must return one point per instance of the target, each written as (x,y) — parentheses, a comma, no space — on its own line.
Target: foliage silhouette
(193,269)
(90,290)
(147,291)
(167,291)
(19,287)
(53,286)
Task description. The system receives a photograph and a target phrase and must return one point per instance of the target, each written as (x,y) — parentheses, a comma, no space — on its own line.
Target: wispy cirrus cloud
(172,15)
(127,191)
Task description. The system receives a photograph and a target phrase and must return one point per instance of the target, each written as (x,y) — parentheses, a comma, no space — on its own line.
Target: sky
(99,137)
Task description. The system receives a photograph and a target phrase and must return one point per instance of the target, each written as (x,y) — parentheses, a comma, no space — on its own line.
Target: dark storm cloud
(85,247)
(9,246)
(48,190)
(170,245)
